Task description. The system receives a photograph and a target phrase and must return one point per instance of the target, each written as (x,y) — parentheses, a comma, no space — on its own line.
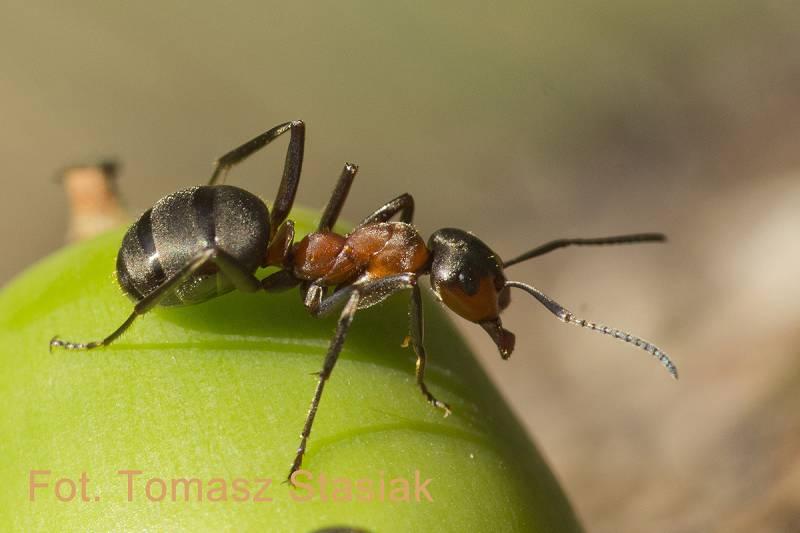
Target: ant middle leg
(338,197)
(335,348)
(354,296)
(403,204)
(291,169)
(241,278)
(319,304)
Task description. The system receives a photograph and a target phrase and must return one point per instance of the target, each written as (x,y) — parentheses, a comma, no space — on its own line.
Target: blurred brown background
(519,121)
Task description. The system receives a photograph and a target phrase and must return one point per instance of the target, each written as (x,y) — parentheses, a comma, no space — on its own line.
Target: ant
(204,241)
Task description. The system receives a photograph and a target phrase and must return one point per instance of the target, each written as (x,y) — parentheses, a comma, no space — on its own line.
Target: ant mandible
(201,242)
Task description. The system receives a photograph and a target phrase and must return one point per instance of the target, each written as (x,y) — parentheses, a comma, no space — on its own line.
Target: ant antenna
(567,316)
(563,243)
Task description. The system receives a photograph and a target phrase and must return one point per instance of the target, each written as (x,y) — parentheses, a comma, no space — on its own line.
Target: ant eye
(469,284)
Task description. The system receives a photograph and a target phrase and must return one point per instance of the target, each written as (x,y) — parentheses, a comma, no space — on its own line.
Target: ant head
(467,276)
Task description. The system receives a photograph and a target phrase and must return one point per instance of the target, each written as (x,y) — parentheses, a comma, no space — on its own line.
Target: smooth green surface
(220,390)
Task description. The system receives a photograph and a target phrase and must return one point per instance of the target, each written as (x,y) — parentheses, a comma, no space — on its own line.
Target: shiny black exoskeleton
(179,228)
(204,241)
(201,242)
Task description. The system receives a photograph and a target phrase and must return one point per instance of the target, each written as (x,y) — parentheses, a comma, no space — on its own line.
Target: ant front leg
(291,169)
(403,204)
(416,332)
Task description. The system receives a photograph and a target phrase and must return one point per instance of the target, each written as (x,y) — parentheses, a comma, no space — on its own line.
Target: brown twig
(93,200)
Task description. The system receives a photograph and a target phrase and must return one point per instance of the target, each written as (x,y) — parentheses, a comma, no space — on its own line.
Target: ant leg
(241,278)
(372,292)
(279,281)
(355,296)
(335,348)
(291,169)
(143,305)
(563,243)
(403,204)
(228,265)
(416,332)
(338,197)
(280,244)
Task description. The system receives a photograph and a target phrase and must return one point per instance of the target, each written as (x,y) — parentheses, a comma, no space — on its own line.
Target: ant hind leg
(291,169)
(142,306)
(238,275)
